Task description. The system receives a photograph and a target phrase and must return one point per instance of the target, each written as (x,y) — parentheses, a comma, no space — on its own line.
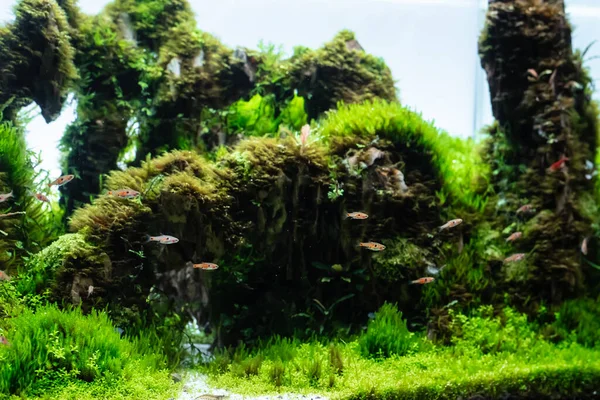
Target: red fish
(206,266)
(422,281)
(41,197)
(163,239)
(525,208)
(372,246)
(559,164)
(514,236)
(357,215)
(4,341)
(514,257)
(584,246)
(61,180)
(124,193)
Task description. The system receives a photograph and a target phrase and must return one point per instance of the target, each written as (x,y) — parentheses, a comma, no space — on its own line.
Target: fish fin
(147,239)
(411,282)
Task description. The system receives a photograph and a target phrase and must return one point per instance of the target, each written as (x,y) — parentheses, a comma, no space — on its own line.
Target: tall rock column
(541,100)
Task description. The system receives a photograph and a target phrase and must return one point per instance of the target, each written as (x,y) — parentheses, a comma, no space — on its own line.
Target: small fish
(514,257)
(422,281)
(12,214)
(6,196)
(211,397)
(168,240)
(357,215)
(371,315)
(61,180)
(373,246)
(584,246)
(4,341)
(4,276)
(558,165)
(514,236)
(525,208)
(164,239)
(206,266)
(450,224)
(90,290)
(304,133)
(124,193)
(41,197)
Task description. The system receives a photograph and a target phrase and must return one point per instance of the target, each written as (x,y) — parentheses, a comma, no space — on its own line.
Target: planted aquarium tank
(366,199)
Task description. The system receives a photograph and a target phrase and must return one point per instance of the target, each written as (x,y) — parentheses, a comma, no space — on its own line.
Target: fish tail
(147,239)
(412,282)
(441,228)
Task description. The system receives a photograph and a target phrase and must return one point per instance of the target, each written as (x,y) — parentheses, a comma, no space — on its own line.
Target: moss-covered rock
(339,71)
(270,209)
(541,99)
(36,58)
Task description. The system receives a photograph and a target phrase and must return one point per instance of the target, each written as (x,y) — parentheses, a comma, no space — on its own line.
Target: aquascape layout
(232,222)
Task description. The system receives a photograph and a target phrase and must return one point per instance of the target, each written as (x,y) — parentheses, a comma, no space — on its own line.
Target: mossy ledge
(268,212)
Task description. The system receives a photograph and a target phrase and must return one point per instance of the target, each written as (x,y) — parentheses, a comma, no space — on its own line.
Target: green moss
(21,233)
(491,355)
(70,251)
(579,319)
(51,349)
(455,161)
(37,58)
(400,258)
(338,72)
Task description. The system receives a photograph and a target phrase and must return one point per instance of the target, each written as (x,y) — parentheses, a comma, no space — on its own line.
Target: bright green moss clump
(52,348)
(456,162)
(490,355)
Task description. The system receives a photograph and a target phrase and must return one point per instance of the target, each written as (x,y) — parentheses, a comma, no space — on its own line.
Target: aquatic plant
(26,233)
(518,362)
(387,335)
(544,112)
(51,348)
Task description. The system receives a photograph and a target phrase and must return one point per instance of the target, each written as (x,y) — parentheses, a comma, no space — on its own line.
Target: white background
(430,46)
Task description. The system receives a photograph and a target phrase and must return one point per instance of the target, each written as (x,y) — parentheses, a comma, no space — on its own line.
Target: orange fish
(357,215)
(41,197)
(422,281)
(450,224)
(559,164)
(4,276)
(206,266)
(584,246)
(514,236)
(124,193)
(525,208)
(4,341)
(61,180)
(373,246)
(514,257)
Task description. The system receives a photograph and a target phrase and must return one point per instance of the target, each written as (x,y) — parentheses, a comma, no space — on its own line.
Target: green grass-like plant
(387,334)
(52,348)
(491,355)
